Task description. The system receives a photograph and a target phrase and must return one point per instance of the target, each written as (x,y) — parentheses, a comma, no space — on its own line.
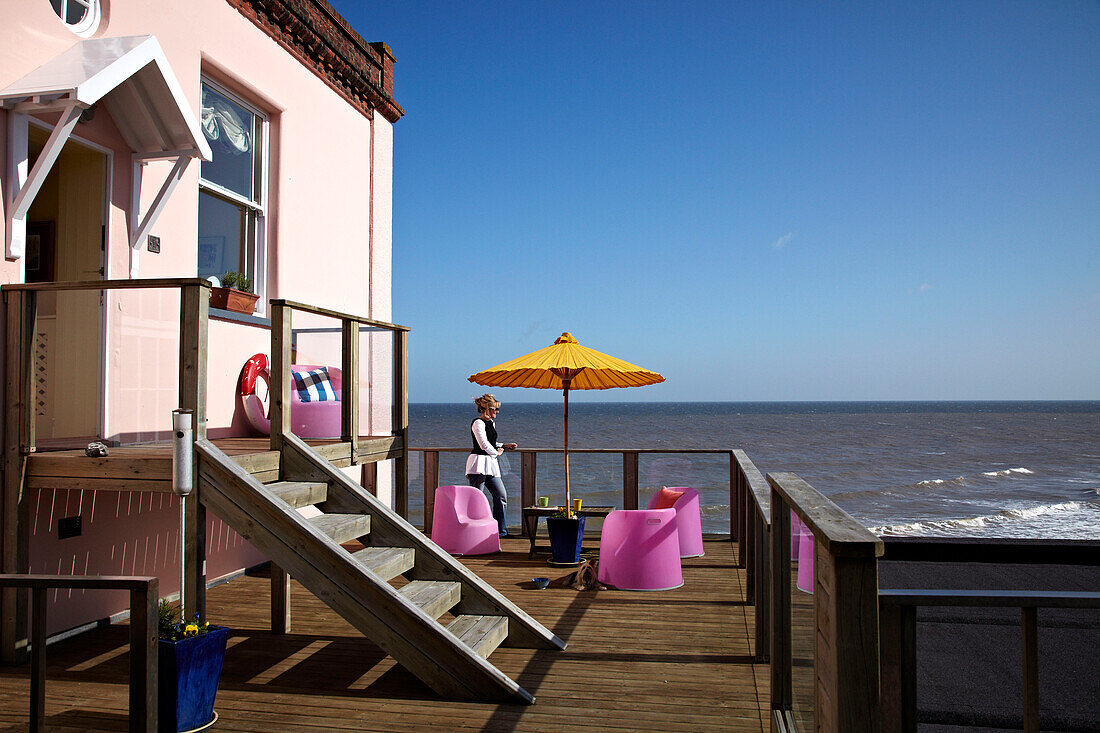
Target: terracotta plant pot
(230,299)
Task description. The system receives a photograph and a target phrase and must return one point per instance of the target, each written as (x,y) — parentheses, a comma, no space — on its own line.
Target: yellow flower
(191,630)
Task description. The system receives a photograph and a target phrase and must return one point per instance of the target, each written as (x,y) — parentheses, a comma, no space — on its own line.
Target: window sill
(224,315)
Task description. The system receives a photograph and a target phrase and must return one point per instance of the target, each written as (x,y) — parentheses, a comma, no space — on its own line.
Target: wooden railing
(20,301)
(754,543)
(144,592)
(21,306)
(281,338)
(739,468)
(898,621)
(845,611)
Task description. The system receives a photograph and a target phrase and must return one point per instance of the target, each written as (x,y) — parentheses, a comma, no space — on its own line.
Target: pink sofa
(307,419)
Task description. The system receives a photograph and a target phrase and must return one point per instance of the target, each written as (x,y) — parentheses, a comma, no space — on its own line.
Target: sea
(954,469)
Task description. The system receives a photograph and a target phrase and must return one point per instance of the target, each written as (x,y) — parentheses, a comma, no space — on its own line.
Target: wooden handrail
(846,649)
(841,534)
(144,594)
(282,313)
(753,537)
(529,484)
(991,550)
(135,284)
(318,310)
(898,622)
(711,451)
(21,302)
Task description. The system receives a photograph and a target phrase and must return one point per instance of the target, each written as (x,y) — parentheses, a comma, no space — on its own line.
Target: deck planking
(148,467)
(677,660)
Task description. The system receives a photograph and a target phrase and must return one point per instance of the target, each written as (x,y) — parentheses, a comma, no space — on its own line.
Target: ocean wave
(1001,517)
(988,474)
(1008,472)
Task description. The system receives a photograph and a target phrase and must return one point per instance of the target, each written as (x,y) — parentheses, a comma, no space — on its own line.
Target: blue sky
(761,201)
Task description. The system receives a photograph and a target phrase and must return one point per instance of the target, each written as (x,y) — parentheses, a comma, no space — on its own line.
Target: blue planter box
(189,670)
(565,539)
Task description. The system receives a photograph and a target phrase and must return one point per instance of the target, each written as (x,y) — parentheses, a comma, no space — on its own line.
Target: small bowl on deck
(540,583)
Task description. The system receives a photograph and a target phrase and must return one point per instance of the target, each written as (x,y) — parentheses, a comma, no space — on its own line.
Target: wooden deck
(148,467)
(676,660)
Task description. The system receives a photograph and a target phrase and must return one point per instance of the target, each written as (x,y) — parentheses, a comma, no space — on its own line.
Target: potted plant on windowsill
(234,294)
(189,656)
(566,531)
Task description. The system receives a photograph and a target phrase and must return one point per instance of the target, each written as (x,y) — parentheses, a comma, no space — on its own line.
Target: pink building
(159,140)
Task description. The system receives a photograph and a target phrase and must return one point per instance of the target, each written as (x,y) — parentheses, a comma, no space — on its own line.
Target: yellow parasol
(566,365)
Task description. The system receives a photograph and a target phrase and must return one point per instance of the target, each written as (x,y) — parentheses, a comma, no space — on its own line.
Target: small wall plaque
(153,244)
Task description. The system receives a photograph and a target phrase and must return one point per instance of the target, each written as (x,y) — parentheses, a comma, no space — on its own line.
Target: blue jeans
(499,495)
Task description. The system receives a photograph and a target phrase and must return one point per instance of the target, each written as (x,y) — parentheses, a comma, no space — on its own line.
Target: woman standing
(482,469)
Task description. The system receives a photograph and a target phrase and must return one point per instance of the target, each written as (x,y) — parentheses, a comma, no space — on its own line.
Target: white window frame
(88,23)
(258,207)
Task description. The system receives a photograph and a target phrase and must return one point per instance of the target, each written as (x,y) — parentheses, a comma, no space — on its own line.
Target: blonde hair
(485,401)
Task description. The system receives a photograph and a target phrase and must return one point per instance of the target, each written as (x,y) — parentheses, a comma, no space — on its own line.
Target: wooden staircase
(450,659)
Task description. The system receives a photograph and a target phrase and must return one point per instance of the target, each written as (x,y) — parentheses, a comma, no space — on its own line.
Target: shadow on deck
(677,660)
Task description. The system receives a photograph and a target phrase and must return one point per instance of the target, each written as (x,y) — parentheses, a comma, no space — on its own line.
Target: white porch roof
(132,78)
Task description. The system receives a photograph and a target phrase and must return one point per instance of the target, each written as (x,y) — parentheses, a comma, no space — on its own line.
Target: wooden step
(386,562)
(433,597)
(483,634)
(299,493)
(342,527)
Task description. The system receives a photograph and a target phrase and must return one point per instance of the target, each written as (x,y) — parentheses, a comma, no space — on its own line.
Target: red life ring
(254,409)
(252,369)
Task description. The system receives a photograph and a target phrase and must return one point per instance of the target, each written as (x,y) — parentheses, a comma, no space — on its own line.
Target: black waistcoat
(490,433)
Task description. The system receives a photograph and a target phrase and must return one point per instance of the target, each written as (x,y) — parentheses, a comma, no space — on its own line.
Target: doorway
(66,235)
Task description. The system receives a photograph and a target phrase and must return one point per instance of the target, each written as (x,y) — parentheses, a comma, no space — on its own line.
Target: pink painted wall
(109,545)
(328,235)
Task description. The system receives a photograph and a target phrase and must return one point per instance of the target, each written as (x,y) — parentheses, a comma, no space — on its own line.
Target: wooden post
(846,654)
(747,558)
(280,600)
(13,601)
(279,397)
(401,420)
(763,597)
(736,529)
(431,482)
(630,479)
(143,657)
(528,479)
(1030,623)
(194,325)
(38,659)
(368,478)
(897,647)
(780,604)
(281,336)
(349,420)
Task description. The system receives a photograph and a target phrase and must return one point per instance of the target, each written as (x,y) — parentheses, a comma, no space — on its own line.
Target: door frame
(104,261)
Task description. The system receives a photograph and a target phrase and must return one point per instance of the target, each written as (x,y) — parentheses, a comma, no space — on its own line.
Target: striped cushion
(314,386)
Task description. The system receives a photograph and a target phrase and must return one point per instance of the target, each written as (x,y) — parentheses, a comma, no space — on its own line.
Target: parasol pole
(568,502)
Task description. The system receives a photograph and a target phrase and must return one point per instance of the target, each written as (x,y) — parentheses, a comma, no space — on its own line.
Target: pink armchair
(318,419)
(462,522)
(639,550)
(689,523)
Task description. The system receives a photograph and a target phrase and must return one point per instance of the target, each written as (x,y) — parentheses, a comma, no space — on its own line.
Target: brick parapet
(324,42)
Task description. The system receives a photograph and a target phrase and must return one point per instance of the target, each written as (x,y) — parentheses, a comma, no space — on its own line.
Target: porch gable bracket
(130,75)
(138,231)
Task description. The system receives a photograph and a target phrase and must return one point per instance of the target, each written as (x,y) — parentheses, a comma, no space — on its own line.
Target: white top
(477,463)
